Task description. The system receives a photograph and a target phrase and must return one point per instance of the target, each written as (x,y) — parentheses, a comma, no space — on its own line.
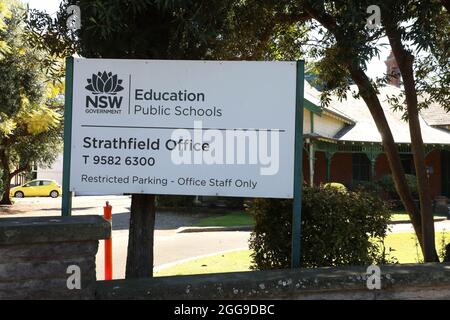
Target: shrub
(386,183)
(224,202)
(336,185)
(175,201)
(188,202)
(337,229)
(368,186)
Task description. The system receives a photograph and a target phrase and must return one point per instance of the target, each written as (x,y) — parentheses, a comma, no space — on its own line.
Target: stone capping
(407,281)
(16,231)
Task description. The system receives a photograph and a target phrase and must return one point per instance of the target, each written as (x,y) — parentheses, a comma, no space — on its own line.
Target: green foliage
(158,29)
(337,229)
(229,220)
(368,186)
(424,29)
(17,70)
(175,201)
(147,29)
(30,110)
(341,40)
(443,246)
(5,13)
(386,184)
(336,185)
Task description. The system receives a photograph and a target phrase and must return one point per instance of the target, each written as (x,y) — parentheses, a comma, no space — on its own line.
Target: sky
(51,6)
(376,67)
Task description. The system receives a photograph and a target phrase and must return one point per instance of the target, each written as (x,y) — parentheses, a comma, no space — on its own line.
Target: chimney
(392,71)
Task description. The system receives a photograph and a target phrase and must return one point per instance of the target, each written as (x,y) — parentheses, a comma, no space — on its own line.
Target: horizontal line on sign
(174,128)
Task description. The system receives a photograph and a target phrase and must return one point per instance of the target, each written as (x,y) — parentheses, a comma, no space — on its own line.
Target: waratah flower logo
(104,83)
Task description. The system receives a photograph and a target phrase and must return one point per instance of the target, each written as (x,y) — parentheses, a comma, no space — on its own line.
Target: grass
(403,247)
(404,216)
(241,218)
(226,262)
(233,219)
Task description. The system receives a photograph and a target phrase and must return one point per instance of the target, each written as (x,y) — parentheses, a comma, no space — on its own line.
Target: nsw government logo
(104,97)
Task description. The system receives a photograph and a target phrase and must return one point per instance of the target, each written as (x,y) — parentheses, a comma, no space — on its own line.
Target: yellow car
(37,188)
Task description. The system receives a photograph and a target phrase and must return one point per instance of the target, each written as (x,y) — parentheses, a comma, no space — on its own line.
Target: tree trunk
(141,237)
(370,97)
(390,148)
(405,63)
(6,179)
(6,184)
(426,206)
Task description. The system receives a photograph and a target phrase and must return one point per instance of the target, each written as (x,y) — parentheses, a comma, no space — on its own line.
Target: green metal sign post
(67,195)
(298,166)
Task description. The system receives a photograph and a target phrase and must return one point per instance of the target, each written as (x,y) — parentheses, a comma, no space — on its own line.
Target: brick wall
(35,254)
(433,159)
(341,168)
(412,281)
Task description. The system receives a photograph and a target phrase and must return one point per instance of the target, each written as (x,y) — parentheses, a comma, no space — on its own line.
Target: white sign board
(183,127)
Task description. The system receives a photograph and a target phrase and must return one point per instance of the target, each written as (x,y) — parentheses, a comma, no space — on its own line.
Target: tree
(5,13)
(428,77)
(149,29)
(29,122)
(341,46)
(275,30)
(354,45)
(343,51)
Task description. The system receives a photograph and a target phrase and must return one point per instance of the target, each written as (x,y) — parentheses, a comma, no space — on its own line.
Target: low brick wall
(35,254)
(424,281)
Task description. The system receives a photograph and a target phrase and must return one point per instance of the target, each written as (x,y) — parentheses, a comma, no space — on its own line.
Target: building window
(361,167)
(408,163)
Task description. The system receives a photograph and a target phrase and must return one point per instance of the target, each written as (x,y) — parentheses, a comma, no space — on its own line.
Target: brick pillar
(36,253)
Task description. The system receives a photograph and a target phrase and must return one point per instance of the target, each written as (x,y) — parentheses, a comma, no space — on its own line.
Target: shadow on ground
(164,220)
(73,209)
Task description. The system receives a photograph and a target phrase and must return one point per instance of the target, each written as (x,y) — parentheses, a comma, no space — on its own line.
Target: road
(170,246)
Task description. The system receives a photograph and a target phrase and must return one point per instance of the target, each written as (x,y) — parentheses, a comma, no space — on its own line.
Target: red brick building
(342,143)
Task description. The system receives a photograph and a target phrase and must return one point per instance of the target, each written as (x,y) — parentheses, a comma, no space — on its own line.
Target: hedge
(338,228)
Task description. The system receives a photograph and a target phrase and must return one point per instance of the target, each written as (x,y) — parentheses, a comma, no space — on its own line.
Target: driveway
(169,245)
(407,227)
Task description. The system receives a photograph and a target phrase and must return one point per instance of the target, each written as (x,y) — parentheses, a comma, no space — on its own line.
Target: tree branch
(372,101)
(324,19)
(21,169)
